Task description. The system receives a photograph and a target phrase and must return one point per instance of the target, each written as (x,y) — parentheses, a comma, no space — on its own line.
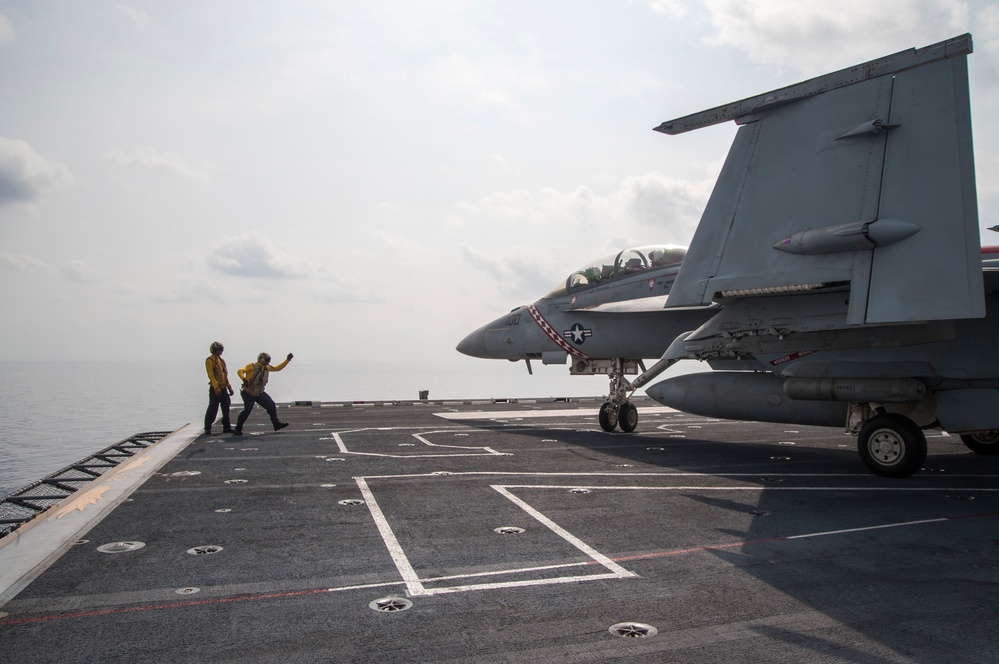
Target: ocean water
(53,414)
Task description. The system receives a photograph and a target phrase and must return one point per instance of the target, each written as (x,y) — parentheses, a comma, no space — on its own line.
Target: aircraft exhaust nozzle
(743,395)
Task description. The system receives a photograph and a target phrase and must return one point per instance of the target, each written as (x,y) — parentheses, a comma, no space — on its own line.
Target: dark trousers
(249,400)
(214,401)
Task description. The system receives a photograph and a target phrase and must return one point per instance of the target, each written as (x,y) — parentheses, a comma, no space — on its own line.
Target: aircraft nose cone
(474,345)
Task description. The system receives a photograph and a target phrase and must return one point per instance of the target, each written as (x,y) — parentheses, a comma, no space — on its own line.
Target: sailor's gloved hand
(290,356)
(218,391)
(230,391)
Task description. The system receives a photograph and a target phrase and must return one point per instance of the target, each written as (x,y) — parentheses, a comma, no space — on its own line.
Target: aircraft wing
(863,177)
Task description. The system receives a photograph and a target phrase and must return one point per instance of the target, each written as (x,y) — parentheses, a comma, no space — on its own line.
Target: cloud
(523,272)
(140,18)
(673,206)
(6,30)
(254,255)
(25,174)
(79,272)
(809,36)
(671,8)
(22,262)
(149,159)
(188,289)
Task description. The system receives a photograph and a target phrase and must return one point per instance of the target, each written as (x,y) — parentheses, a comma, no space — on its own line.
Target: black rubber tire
(982,442)
(608,417)
(627,418)
(892,445)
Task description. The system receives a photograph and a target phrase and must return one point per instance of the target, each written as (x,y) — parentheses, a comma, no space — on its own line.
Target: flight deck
(514,531)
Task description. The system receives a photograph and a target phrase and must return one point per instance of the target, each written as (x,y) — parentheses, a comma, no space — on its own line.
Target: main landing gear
(891,445)
(982,442)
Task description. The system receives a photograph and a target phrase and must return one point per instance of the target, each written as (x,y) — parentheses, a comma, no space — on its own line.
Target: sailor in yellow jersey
(254,377)
(219,389)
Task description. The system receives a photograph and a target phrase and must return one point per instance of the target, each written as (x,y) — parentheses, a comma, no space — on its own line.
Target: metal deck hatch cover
(205,550)
(633,630)
(120,547)
(508,530)
(390,604)
(351,501)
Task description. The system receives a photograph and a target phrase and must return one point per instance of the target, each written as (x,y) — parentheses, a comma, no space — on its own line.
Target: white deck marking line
(409,575)
(531,414)
(846,531)
(521,584)
(342,446)
(617,570)
(744,488)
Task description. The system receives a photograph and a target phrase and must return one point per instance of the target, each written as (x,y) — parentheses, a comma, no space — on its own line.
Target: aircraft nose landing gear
(624,416)
(618,411)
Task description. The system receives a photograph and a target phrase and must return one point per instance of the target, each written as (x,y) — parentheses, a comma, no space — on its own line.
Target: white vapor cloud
(150,159)
(79,272)
(22,262)
(140,18)
(805,36)
(25,174)
(254,255)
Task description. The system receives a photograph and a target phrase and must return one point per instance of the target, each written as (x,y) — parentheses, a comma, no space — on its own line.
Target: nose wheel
(612,417)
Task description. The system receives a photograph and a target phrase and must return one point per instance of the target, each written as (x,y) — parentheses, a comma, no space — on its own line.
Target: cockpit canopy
(621,264)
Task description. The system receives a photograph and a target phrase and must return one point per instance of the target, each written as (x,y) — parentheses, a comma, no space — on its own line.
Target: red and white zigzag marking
(554,335)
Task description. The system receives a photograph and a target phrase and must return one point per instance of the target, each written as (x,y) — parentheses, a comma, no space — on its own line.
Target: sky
(370,181)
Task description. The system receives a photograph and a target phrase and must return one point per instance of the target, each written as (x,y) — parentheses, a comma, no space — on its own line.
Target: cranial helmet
(216,347)
(263,358)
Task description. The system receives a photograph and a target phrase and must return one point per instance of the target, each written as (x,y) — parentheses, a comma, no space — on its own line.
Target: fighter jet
(841,245)
(604,319)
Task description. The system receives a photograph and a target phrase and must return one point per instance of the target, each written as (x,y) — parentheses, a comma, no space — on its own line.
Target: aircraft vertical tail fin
(863,176)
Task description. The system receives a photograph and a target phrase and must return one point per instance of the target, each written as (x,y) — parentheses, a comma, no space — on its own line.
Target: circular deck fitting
(82,541)
(959,497)
(509,530)
(442,472)
(788,442)
(236,481)
(624,465)
(390,604)
(249,449)
(579,490)
(759,512)
(780,458)
(205,550)
(120,547)
(239,469)
(327,486)
(187,591)
(184,473)
(407,444)
(633,630)
(351,501)
(336,459)
(771,479)
(224,510)
(655,449)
